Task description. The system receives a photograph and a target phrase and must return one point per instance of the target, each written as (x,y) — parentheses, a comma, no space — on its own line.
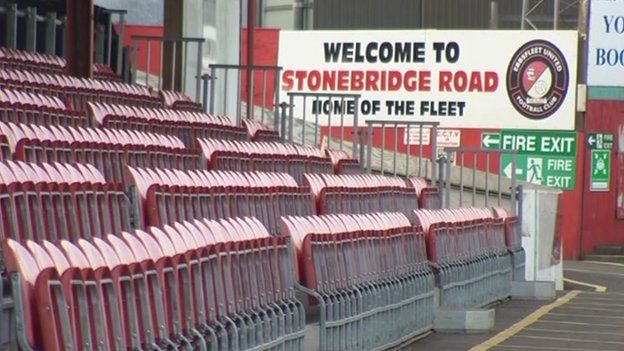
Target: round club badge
(537,79)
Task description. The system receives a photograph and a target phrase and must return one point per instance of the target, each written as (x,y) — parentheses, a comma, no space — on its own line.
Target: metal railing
(179,46)
(423,128)
(479,183)
(109,39)
(51,22)
(225,78)
(322,109)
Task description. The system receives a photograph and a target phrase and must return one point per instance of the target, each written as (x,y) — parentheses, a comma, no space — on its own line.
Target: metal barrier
(480,182)
(469,184)
(422,166)
(107,59)
(179,47)
(220,79)
(50,21)
(323,108)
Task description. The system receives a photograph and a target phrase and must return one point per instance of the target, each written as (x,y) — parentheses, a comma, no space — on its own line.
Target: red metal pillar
(251,19)
(79,31)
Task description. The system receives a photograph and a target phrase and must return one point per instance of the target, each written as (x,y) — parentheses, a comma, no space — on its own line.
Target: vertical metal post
(519,190)
(147,65)
(264,71)
(461,177)
(525,10)
(514,211)
(173,64)
(383,147)
(122,25)
(64,39)
(205,79)
(198,70)
(361,141)
(161,46)
(98,44)
(474,179)
(447,191)
(356,127)
(225,84)
(11,26)
(50,33)
(276,87)
(487,178)
(250,96)
(556,13)
(342,112)
(239,78)
(369,148)
(420,152)
(284,115)
(440,181)
(407,151)
(395,151)
(135,59)
(434,151)
(291,117)
(316,118)
(31,29)
(109,39)
(329,124)
(494,14)
(212,89)
(298,14)
(183,64)
(303,124)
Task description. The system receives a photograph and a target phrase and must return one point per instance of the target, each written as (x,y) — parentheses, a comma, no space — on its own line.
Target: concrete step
(608,250)
(604,258)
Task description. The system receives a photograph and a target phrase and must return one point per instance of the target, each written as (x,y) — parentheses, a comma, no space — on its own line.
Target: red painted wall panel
(265,54)
(600,225)
(131,30)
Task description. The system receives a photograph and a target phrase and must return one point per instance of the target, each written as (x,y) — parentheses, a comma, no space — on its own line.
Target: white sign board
(446,137)
(605,59)
(520,79)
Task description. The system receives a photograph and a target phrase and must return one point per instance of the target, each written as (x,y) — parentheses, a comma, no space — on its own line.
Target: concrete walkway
(588,317)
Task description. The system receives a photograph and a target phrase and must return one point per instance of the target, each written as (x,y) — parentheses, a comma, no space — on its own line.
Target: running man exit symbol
(534,170)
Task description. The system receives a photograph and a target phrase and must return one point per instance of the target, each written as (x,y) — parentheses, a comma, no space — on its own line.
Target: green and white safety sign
(554,171)
(600,141)
(544,157)
(600,170)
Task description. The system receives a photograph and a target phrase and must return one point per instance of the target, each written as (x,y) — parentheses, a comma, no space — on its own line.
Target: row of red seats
(167,196)
(179,101)
(40,62)
(243,156)
(428,195)
(23,107)
(54,201)
(369,274)
(363,193)
(186,125)
(343,163)
(461,232)
(109,150)
(258,131)
(472,260)
(222,285)
(76,92)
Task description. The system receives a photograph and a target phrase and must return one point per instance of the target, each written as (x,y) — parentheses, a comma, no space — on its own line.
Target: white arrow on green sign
(490,140)
(600,141)
(553,171)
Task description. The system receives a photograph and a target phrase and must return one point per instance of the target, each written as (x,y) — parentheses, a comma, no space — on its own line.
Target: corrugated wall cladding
(440,14)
